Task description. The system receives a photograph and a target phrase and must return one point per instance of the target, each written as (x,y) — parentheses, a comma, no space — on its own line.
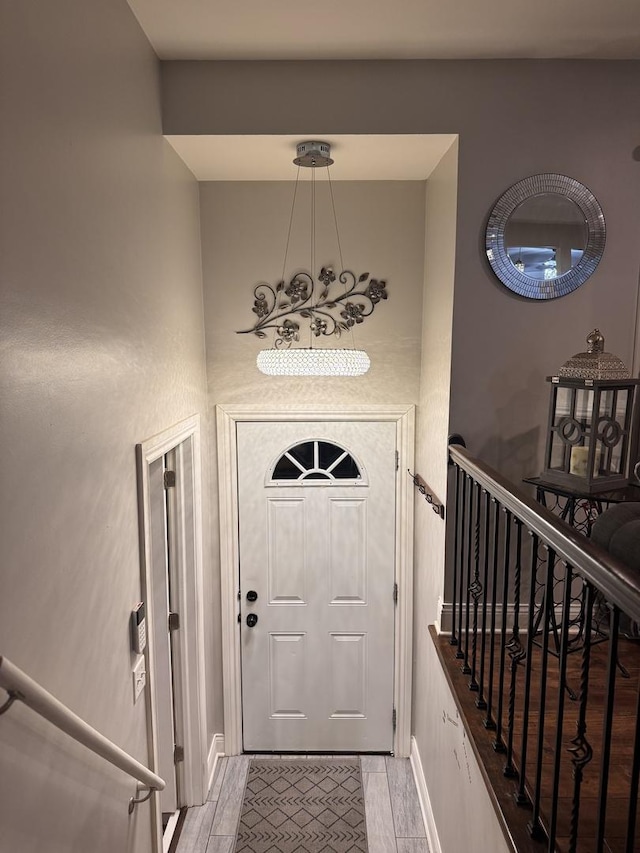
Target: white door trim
(192,688)
(227,416)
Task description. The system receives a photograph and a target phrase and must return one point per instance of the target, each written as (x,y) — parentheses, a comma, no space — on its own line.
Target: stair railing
(20,687)
(530,599)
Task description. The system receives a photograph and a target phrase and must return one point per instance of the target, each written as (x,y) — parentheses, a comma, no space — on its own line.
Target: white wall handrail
(20,687)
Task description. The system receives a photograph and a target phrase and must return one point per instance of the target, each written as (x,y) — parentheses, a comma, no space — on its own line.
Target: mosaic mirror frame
(496,248)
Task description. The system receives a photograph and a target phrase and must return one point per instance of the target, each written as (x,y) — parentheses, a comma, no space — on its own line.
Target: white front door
(317,556)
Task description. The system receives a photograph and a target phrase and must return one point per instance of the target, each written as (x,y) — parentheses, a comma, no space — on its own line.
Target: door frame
(227,416)
(190,572)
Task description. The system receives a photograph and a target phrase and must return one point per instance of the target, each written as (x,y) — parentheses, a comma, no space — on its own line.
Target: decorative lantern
(592,423)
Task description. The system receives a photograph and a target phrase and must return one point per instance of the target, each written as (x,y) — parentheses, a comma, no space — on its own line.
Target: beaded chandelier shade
(330,304)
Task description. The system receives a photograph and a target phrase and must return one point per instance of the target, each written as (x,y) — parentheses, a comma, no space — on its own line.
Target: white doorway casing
(227,417)
(184,438)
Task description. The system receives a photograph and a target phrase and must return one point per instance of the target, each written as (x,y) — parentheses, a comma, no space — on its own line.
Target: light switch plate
(139,678)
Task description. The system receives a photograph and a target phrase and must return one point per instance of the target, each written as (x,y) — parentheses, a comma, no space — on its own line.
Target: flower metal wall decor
(329,313)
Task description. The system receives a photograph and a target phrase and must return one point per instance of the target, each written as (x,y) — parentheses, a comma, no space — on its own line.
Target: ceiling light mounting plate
(312,154)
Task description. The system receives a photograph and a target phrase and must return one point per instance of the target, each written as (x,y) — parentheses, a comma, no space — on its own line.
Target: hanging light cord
(635,364)
(335,219)
(293,207)
(335,222)
(286,251)
(313,241)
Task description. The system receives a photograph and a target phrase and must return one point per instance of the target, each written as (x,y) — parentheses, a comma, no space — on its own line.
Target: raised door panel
(347,519)
(288,667)
(348,676)
(286,551)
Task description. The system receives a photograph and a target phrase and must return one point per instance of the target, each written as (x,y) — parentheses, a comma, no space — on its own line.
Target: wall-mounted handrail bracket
(14,696)
(135,801)
(19,685)
(425,490)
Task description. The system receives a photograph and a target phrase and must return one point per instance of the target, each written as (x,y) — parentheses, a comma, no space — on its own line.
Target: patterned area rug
(303,806)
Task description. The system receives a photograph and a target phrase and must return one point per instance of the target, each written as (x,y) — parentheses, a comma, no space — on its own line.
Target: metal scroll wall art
(328,311)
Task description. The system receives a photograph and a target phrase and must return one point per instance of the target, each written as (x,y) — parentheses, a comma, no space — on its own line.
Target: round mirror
(545,236)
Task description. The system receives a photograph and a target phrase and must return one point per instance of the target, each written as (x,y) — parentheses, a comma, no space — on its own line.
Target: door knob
(252,595)
(252,620)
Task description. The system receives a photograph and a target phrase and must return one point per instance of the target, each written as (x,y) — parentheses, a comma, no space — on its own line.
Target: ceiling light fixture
(315,299)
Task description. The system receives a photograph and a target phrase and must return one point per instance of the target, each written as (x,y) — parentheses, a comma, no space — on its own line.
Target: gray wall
(102,347)
(244,231)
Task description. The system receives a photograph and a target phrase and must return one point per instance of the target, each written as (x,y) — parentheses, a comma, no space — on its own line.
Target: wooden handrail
(616,581)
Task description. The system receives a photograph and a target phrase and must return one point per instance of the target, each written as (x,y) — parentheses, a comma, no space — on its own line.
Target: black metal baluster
(521,797)
(456,536)
(535,826)
(488,722)
(581,752)
(475,589)
(562,664)
(614,621)
(498,743)
(465,477)
(480,701)
(467,612)
(516,651)
(635,776)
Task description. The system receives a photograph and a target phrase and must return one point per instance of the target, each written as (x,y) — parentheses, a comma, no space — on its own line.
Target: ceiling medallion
(328,309)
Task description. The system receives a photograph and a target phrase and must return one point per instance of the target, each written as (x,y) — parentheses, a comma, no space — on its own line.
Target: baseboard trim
(216,751)
(444,622)
(425,803)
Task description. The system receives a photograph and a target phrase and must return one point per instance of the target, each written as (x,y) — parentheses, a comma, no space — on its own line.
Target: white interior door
(317,547)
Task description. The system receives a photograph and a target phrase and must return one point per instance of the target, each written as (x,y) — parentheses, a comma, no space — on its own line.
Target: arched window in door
(319,462)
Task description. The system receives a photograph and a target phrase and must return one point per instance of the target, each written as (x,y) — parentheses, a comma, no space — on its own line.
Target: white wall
(102,347)
(461,808)
(464,814)
(432,423)
(244,230)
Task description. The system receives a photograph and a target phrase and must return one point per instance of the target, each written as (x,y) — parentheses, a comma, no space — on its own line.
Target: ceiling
(401,157)
(391,29)
(370,29)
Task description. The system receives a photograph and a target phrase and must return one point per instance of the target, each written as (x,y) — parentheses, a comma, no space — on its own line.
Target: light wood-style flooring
(393,815)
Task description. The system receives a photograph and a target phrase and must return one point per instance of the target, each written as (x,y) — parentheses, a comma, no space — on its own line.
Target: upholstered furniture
(618,530)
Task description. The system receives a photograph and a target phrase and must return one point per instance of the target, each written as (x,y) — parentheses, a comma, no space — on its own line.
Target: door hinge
(397,459)
(394,719)
(178,754)
(395,593)
(174,621)
(169,479)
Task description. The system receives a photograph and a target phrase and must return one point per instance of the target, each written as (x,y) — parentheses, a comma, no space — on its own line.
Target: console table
(577,508)
(580,510)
